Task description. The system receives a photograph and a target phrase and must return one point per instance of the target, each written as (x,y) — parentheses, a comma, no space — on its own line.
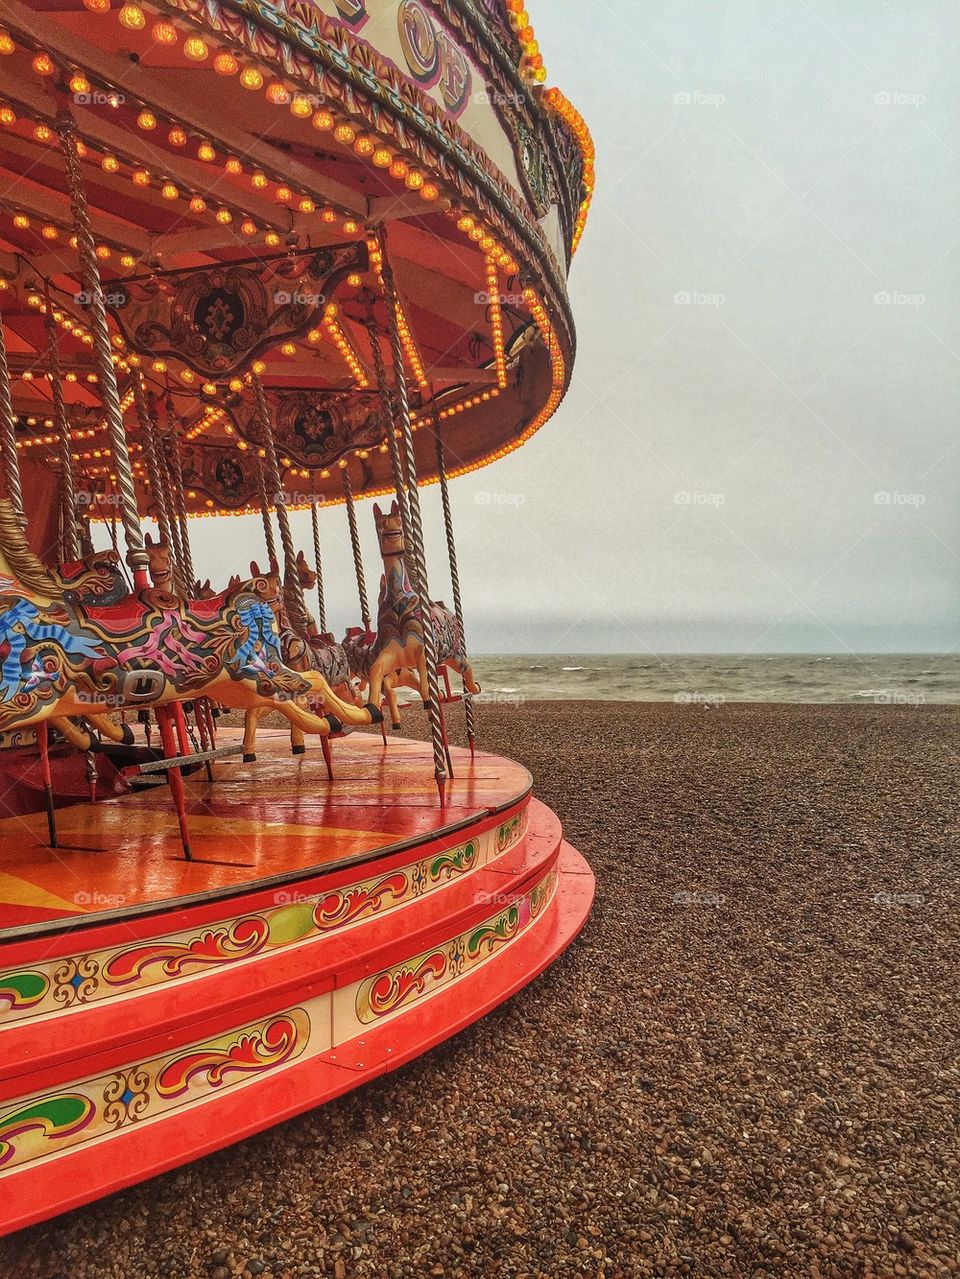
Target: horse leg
(250,722)
(122,734)
(166,721)
(297,744)
(77,738)
(41,729)
(391,695)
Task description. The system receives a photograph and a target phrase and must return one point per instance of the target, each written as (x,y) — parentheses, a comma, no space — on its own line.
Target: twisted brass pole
(454,572)
(110,395)
(293,587)
(67,486)
(157,474)
(417,563)
(8,436)
(265,511)
(357,552)
(386,404)
(321,602)
(180,501)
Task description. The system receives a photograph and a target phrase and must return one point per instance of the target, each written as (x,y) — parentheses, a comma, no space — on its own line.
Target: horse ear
(148,541)
(254,568)
(394,509)
(377,513)
(274,566)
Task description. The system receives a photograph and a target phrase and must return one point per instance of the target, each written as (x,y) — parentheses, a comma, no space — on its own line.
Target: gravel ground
(746,1065)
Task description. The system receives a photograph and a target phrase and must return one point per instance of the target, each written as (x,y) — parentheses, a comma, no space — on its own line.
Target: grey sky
(814,167)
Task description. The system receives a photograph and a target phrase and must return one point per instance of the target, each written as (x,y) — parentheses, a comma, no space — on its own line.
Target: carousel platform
(153,1009)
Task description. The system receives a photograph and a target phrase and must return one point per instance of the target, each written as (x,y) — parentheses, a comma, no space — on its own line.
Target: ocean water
(879,679)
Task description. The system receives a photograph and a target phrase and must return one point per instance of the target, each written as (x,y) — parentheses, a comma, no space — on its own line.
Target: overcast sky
(759,449)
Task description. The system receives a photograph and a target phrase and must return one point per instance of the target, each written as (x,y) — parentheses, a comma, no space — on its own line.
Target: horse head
(389,530)
(161,567)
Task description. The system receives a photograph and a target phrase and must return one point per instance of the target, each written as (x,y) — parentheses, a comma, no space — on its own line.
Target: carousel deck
(254,825)
(326,933)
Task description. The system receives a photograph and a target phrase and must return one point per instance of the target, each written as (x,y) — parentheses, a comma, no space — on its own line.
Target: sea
(908,679)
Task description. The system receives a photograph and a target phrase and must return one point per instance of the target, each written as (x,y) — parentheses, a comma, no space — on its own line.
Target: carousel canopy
(251,171)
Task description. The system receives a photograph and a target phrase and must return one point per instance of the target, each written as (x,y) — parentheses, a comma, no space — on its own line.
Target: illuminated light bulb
(49,232)
(345,133)
(328,215)
(132,17)
(177,138)
(272,239)
(226,64)
(429,191)
(71,377)
(206,152)
(164,33)
(110,164)
(300,107)
(42,133)
(350,227)
(288,348)
(322,120)
(233,166)
(258,367)
(195,49)
(209,388)
(251,78)
(382,158)
(314,336)
(331,311)
(477,234)
(128,260)
(486,243)
(259,180)
(82,151)
(21,222)
(187,375)
(236,384)
(79,83)
(465,223)
(306,205)
(399,169)
(277,93)
(8,115)
(284,193)
(364,146)
(414,180)
(169,191)
(248,227)
(103,252)
(43,64)
(354,280)
(224,216)
(146,120)
(198,204)
(140,178)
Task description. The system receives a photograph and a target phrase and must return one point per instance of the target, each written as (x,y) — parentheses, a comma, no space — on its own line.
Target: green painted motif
(23,989)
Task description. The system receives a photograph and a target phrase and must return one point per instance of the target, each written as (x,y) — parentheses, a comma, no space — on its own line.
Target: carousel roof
(248,167)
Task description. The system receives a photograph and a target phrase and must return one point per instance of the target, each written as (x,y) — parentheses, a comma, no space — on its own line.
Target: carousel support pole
(321,602)
(387,409)
(327,756)
(357,551)
(43,742)
(8,436)
(165,720)
(90,771)
(417,561)
(291,578)
(68,488)
(86,246)
(454,578)
(265,512)
(158,486)
(180,499)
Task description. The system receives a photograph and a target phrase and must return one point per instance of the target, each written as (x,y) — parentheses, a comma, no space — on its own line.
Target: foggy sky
(711,482)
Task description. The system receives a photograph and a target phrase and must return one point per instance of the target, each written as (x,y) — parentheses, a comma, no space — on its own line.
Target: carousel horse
(161,564)
(96,579)
(59,659)
(398,654)
(203,590)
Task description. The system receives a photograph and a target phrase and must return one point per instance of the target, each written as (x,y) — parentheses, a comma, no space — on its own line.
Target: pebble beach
(746,1065)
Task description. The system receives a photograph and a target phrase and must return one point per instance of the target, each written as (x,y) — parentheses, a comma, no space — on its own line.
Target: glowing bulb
(272,239)
(103,252)
(306,205)
(382,158)
(300,107)
(43,65)
(6,43)
(224,216)
(345,133)
(140,178)
(198,204)
(248,227)
(251,78)
(322,120)
(132,17)
(79,83)
(277,94)
(258,367)
(49,232)
(110,164)
(147,120)
(42,133)
(206,152)
(8,115)
(177,138)
(164,33)
(169,191)
(284,193)
(226,64)
(195,48)
(364,146)
(128,260)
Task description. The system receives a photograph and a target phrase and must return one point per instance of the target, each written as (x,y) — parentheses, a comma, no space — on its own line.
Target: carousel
(258,257)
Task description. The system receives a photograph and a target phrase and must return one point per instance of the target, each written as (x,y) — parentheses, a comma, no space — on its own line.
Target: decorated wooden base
(327,933)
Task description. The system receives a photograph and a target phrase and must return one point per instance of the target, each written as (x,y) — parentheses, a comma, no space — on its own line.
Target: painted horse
(60,659)
(398,655)
(96,579)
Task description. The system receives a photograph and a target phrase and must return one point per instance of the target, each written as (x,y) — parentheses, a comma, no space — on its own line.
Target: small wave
(574,668)
(872,692)
(506,690)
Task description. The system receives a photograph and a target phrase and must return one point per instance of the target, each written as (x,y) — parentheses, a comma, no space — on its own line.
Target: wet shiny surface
(278,816)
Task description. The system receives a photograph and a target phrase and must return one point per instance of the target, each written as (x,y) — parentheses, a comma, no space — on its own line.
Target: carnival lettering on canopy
(433,57)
